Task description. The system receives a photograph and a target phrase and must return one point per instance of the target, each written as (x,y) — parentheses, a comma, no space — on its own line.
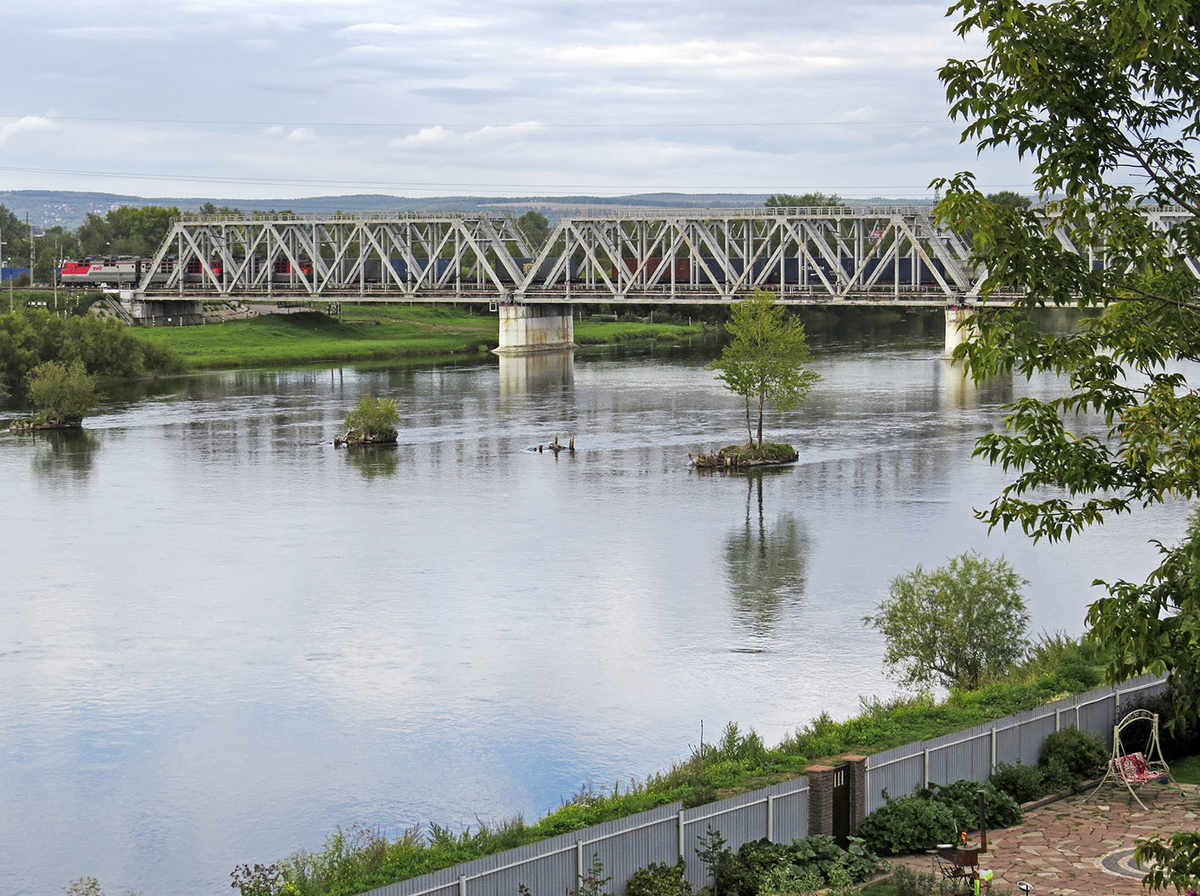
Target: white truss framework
(803,255)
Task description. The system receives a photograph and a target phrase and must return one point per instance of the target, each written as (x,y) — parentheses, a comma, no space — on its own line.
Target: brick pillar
(820,799)
(856,771)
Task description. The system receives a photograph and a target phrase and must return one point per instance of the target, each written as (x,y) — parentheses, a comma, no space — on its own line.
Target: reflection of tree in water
(374,460)
(767,567)
(64,451)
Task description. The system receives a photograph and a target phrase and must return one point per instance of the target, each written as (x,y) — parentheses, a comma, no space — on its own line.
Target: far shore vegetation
(355,859)
(374,333)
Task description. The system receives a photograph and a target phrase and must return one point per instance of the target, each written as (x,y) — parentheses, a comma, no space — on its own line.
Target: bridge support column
(958,330)
(535,328)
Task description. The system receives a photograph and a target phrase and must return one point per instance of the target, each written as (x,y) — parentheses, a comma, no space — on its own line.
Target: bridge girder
(803,255)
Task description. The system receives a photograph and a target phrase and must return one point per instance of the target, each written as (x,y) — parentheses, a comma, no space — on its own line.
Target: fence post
(681,833)
(857,772)
(771,818)
(993,764)
(578,862)
(462,885)
(925,768)
(820,799)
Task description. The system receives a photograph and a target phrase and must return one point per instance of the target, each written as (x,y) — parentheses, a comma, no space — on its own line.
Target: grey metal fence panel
(783,808)
(623,853)
(971,753)
(780,811)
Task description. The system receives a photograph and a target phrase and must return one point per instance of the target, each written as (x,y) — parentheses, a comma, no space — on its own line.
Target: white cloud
(114,33)
(23,126)
(302,135)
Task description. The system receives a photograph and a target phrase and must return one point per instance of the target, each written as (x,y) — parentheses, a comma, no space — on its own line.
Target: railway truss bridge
(834,256)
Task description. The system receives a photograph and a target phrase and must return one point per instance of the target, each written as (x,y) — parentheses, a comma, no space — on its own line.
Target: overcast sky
(267,99)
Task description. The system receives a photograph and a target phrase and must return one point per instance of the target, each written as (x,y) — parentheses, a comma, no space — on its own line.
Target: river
(222,638)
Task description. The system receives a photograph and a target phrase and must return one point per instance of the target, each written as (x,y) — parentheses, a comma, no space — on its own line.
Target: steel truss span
(844,255)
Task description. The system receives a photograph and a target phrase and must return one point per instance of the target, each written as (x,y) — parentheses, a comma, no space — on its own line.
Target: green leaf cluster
(1100,95)
(104,347)
(373,416)
(803,866)
(62,393)
(957,625)
(765,361)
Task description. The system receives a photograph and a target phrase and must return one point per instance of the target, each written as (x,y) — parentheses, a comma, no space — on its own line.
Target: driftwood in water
(557,446)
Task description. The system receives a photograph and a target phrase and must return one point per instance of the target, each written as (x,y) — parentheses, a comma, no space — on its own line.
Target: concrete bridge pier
(958,330)
(535,328)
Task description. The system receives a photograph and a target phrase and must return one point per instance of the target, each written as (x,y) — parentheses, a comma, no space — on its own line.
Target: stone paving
(1072,847)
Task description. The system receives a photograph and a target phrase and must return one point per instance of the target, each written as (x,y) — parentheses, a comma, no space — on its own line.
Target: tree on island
(63,395)
(373,421)
(1100,95)
(765,361)
(955,626)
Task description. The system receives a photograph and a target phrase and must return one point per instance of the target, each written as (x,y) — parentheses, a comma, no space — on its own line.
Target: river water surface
(221,638)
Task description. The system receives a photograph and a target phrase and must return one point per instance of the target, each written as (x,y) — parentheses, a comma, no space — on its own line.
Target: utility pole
(10,303)
(29,233)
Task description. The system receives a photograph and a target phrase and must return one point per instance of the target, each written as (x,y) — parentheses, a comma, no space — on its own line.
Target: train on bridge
(130,271)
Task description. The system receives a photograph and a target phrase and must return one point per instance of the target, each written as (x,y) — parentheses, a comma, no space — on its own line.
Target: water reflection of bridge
(891,256)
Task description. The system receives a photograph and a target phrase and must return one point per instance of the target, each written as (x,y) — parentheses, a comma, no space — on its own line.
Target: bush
(373,417)
(1024,783)
(957,626)
(908,824)
(62,392)
(808,864)
(660,879)
(909,882)
(962,798)
(1080,753)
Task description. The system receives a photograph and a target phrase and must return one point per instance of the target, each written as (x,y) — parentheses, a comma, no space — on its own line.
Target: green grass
(367,333)
(308,336)
(736,763)
(592,332)
(1186,771)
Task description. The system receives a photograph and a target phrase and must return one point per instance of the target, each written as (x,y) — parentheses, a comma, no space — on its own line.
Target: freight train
(128,271)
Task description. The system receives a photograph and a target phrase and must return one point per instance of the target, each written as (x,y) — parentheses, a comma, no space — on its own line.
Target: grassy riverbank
(357,860)
(368,333)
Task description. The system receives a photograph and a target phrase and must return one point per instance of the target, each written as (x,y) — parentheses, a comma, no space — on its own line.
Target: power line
(559,126)
(447,185)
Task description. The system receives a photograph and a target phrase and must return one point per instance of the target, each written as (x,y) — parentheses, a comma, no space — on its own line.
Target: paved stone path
(1072,847)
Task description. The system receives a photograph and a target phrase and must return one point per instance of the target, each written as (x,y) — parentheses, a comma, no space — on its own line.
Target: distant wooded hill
(47,208)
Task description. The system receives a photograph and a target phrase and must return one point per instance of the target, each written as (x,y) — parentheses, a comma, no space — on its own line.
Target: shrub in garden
(910,882)
(660,879)
(821,853)
(1023,783)
(908,824)
(1080,753)
(807,864)
(962,798)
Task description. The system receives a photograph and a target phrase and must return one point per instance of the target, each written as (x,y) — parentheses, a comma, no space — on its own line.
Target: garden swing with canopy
(1138,767)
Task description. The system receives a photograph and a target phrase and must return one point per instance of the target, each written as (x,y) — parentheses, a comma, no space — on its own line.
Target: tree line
(105,348)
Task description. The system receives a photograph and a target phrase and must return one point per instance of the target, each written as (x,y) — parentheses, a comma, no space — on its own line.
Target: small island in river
(740,456)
